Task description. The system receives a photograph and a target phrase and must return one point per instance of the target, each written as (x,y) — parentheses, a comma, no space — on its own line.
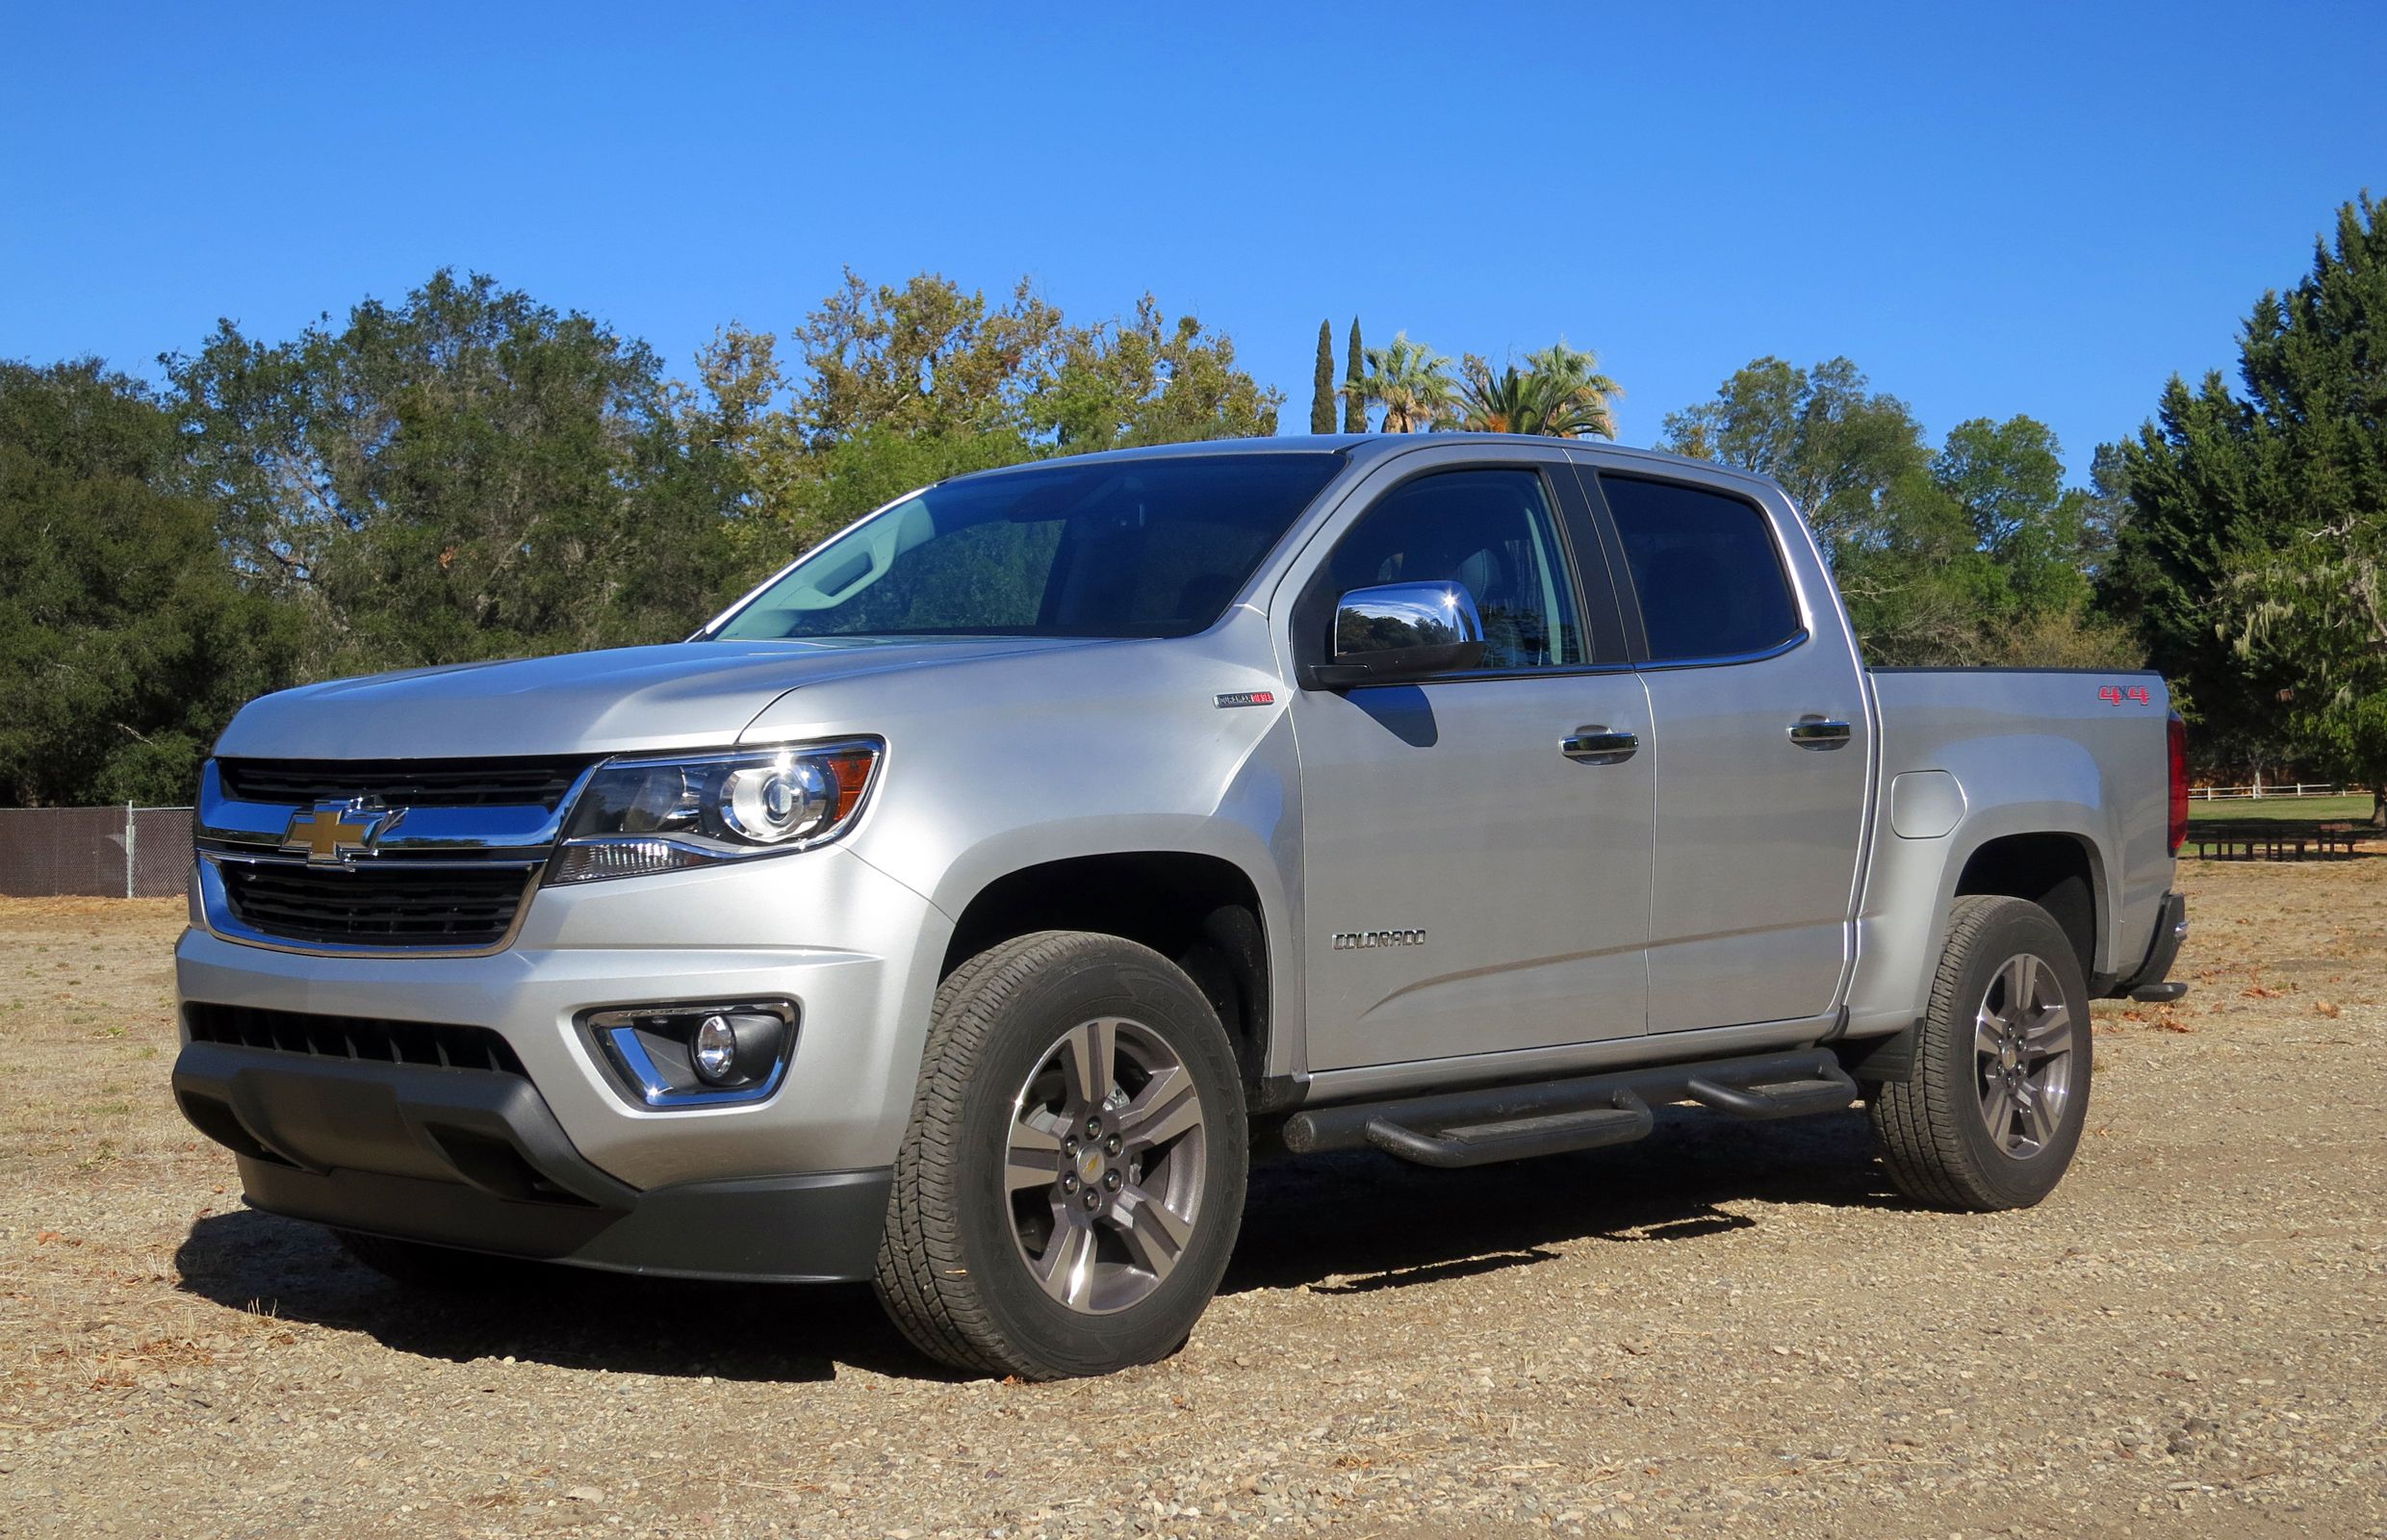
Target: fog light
(716,1050)
(696,1055)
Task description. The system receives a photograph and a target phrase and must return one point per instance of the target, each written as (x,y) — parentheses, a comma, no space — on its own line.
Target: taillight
(2179,782)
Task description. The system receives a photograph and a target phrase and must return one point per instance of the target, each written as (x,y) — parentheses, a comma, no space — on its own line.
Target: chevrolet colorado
(961,908)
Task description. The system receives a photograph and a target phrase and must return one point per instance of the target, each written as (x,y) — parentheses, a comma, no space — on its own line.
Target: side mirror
(1399,631)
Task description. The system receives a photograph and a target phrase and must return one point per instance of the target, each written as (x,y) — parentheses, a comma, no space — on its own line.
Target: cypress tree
(1354,375)
(1322,395)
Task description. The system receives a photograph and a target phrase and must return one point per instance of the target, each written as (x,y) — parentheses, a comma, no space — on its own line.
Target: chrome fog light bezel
(648,1051)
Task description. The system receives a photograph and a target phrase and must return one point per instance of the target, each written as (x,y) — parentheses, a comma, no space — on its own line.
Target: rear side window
(1710,582)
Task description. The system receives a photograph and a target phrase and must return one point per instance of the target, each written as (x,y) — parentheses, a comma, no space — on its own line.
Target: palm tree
(1560,392)
(1496,403)
(1411,382)
(1583,393)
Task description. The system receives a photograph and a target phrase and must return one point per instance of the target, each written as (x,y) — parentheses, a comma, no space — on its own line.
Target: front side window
(1490,530)
(1710,582)
(1151,547)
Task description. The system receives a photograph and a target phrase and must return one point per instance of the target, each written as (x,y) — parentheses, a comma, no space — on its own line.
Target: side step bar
(1464,1128)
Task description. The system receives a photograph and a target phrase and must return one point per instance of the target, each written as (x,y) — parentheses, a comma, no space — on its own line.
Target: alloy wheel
(2022,1052)
(1103,1176)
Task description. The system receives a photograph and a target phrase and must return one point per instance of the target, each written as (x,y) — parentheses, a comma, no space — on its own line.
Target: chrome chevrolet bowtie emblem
(332,832)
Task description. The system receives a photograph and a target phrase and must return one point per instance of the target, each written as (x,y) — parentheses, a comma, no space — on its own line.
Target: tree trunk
(2378,806)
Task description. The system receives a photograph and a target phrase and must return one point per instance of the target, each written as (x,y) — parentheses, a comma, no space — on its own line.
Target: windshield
(1110,548)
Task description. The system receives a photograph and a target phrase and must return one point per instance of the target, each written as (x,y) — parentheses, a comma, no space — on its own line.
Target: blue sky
(1993,209)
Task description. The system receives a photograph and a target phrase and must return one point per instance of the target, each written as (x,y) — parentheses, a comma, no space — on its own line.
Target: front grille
(359,1038)
(510,782)
(384,903)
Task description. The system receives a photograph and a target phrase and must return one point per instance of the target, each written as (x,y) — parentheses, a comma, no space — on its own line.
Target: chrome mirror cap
(1399,631)
(1403,617)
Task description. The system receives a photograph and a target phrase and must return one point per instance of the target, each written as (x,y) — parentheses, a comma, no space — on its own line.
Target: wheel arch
(2059,871)
(2037,824)
(1200,910)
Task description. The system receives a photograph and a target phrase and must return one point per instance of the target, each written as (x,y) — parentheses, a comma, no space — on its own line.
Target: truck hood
(683,696)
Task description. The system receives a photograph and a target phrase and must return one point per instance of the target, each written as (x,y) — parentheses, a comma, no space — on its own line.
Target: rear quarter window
(1705,568)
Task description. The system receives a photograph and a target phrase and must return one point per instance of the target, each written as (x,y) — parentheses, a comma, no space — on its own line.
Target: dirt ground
(1726,1329)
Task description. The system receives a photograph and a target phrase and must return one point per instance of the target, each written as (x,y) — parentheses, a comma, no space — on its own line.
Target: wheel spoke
(1167,1106)
(2038,1115)
(1997,1110)
(1091,1062)
(1156,1234)
(2050,1033)
(1985,1033)
(2018,974)
(1065,1270)
(1034,1159)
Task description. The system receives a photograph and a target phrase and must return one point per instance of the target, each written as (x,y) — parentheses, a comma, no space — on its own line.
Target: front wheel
(1072,1179)
(1994,1109)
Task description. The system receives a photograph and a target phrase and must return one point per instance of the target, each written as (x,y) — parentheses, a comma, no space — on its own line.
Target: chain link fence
(94,852)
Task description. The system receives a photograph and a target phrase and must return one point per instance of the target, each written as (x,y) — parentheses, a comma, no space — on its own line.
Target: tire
(987,1265)
(1934,1130)
(437,1269)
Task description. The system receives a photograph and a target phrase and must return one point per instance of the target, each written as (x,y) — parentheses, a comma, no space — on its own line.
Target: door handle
(1597,745)
(1818,733)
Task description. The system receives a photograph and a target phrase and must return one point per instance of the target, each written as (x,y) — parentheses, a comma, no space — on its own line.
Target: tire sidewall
(2018,927)
(1103,979)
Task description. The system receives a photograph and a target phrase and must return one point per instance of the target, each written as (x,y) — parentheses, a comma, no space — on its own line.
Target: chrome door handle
(1818,733)
(1597,745)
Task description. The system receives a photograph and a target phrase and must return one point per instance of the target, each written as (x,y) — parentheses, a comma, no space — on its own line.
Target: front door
(1472,886)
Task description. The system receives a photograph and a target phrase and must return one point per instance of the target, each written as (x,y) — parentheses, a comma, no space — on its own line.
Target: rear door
(1471,887)
(1760,748)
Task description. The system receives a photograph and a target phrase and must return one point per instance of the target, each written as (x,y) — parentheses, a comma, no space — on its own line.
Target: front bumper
(473,1158)
(440,1154)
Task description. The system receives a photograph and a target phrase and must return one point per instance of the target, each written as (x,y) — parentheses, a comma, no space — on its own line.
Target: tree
(1147,381)
(1837,450)
(1969,556)
(2008,477)
(125,643)
(1354,379)
(896,387)
(465,474)
(1559,394)
(925,358)
(2274,505)
(1411,382)
(1322,387)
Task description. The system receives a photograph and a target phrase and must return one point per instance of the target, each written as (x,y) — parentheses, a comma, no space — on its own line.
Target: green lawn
(2282,809)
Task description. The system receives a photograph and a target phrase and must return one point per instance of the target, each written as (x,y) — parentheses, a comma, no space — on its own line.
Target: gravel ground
(1725,1328)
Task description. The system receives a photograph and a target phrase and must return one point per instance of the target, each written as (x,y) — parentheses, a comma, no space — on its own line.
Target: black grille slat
(377,901)
(403,782)
(365,1039)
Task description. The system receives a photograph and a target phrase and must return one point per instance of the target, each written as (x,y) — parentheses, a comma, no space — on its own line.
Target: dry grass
(1725,1326)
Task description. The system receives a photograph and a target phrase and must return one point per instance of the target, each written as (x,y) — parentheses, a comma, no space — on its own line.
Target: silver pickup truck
(965,906)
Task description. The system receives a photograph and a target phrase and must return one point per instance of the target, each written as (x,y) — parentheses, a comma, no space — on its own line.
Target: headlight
(644,815)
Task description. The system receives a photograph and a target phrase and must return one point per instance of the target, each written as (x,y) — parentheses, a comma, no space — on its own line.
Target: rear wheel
(1072,1180)
(1992,1112)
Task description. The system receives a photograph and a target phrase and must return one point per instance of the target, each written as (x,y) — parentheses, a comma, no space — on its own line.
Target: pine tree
(2255,559)
(1322,395)
(1354,387)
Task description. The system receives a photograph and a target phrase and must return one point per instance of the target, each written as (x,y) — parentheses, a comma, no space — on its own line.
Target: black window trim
(1572,522)
(1627,592)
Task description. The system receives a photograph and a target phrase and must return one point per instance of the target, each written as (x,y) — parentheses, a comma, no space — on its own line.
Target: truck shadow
(571,1317)
(1347,1224)
(1362,1221)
